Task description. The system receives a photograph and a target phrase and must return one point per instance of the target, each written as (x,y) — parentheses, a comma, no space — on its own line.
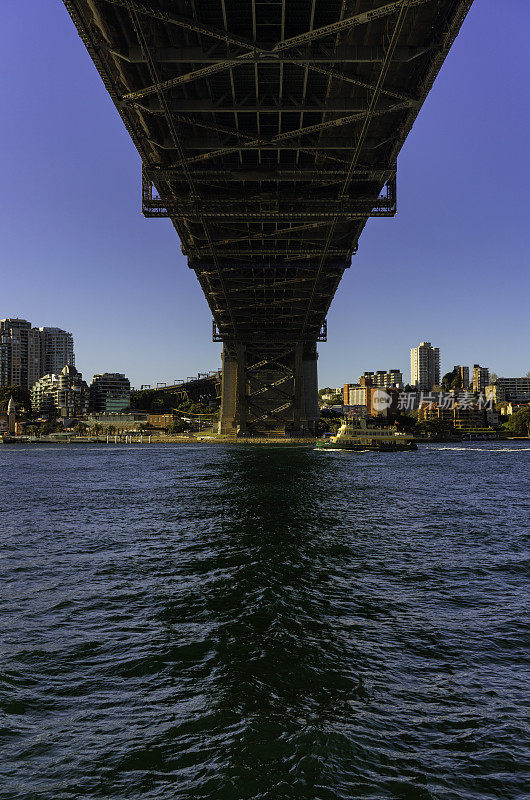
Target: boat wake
(485,449)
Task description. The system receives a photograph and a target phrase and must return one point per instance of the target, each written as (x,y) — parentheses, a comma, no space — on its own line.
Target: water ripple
(264,623)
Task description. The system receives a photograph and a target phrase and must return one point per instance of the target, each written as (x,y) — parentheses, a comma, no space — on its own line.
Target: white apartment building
(57,350)
(425,366)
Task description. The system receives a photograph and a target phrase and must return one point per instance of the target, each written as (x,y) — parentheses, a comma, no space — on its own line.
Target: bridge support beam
(269,391)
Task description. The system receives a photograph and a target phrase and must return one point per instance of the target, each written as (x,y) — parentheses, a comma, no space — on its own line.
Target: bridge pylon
(269,390)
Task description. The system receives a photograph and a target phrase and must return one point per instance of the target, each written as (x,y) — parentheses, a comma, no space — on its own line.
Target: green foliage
(20,394)
(435,428)
(447,380)
(178,426)
(519,423)
(32,430)
(51,427)
(452,380)
(166,402)
(155,401)
(404,421)
(188,407)
(322,426)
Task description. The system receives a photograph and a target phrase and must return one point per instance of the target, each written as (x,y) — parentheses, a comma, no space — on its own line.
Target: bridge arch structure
(269,132)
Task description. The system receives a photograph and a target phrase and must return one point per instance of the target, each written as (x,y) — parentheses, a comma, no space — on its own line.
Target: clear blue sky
(451,268)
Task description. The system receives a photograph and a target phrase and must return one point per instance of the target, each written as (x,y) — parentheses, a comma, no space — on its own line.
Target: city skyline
(407,376)
(444,270)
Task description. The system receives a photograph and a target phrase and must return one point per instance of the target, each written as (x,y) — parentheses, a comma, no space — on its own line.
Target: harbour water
(265,623)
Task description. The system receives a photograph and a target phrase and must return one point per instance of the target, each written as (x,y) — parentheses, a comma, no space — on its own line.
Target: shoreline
(296,441)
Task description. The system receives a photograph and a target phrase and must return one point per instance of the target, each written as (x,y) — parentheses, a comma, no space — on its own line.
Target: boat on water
(357,435)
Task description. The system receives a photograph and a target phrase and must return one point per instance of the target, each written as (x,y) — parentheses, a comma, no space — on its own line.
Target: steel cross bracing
(268,133)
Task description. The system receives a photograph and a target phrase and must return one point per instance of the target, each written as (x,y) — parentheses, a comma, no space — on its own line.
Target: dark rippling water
(243,622)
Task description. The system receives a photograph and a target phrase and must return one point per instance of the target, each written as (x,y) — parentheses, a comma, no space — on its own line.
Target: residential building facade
(44,394)
(28,353)
(507,409)
(20,353)
(515,390)
(392,378)
(66,394)
(109,392)
(461,416)
(481,378)
(358,395)
(424,366)
(56,350)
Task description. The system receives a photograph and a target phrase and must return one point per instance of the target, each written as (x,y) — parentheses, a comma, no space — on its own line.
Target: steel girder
(268,140)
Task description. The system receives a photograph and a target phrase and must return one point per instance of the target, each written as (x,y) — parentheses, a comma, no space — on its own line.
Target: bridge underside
(269,134)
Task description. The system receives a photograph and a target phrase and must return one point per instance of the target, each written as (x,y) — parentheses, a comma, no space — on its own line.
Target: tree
(519,423)
(452,380)
(405,422)
(178,426)
(20,394)
(435,428)
(51,427)
(447,380)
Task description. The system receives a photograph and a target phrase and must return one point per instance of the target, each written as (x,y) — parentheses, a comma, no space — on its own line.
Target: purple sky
(451,268)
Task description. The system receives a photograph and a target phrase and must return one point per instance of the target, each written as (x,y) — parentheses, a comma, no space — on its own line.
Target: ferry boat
(358,436)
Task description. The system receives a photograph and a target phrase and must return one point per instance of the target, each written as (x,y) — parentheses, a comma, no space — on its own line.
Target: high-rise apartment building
(382,379)
(20,353)
(28,353)
(110,391)
(57,350)
(425,366)
(481,378)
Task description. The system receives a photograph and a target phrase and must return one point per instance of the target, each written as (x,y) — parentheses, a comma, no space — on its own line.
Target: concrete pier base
(269,391)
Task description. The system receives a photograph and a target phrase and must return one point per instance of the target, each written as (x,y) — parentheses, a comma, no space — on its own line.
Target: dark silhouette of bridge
(269,132)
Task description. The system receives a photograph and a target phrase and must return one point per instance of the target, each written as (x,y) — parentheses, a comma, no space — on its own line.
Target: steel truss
(268,134)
